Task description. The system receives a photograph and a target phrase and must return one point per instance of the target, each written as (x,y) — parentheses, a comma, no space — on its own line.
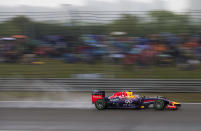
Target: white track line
(45,104)
(191,103)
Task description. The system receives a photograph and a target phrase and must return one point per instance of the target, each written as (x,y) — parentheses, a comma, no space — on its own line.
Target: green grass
(58,69)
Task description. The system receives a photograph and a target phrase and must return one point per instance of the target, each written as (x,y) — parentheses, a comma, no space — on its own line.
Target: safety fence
(138,85)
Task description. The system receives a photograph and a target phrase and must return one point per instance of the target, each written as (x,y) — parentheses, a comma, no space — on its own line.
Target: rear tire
(159,105)
(100,104)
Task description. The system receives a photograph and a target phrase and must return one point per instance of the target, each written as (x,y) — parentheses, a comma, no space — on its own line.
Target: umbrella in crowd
(20,36)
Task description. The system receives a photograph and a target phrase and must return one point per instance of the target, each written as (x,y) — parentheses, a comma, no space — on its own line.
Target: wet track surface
(186,119)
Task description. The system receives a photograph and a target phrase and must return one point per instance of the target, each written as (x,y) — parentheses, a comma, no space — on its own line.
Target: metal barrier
(138,85)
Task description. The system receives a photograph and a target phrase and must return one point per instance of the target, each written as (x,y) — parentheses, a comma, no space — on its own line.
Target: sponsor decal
(128,101)
(114,99)
(149,100)
(97,96)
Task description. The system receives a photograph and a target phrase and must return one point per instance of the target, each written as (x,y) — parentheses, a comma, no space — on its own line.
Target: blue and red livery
(129,100)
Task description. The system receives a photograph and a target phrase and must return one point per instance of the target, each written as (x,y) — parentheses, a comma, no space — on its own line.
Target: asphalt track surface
(188,118)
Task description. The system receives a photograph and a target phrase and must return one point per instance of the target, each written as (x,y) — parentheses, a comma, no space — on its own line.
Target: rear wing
(96,95)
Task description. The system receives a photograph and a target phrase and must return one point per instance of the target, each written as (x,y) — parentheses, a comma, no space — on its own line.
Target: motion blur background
(87,38)
(53,53)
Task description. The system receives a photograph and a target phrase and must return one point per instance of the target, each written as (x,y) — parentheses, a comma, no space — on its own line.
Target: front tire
(178,106)
(100,104)
(159,105)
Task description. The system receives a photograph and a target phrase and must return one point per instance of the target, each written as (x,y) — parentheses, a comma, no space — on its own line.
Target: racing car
(129,100)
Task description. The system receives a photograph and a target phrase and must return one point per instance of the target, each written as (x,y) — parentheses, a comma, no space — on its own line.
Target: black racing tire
(178,106)
(146,106)
(159,105)
(100,104)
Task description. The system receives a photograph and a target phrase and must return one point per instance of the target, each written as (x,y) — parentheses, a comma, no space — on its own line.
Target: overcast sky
(172,4)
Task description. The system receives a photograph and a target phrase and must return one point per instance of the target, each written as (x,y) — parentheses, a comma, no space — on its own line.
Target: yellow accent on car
(130,94)
(173,103)
(142,107)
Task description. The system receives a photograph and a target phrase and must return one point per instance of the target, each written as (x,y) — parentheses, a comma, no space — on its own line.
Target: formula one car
(129,100)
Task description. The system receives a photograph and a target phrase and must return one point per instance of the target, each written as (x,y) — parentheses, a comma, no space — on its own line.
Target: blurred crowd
(156,49)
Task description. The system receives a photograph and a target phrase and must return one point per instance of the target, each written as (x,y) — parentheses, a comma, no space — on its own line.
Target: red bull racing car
(129,100)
